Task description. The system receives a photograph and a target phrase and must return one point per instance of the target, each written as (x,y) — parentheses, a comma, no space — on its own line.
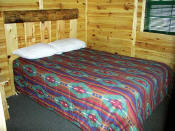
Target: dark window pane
(160,16)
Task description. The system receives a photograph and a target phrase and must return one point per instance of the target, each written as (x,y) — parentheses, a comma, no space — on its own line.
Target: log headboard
(27,27)
(39,15)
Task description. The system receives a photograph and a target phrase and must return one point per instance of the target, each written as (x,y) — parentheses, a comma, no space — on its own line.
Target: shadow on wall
(169,124)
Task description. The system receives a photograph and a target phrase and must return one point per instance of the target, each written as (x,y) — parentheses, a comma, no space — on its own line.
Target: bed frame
(27,27)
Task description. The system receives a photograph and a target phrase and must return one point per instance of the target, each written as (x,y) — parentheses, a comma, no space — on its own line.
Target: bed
(95,90)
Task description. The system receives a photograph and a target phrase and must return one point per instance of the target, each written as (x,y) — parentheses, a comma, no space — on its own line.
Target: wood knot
(128,6)
(60,6)
(9,56)
(98,7)
(98,26)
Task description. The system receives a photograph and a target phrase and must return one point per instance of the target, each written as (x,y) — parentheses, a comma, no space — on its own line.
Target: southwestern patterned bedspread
(93,89)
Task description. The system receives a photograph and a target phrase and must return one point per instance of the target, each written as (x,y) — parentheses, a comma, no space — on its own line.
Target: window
(160,16)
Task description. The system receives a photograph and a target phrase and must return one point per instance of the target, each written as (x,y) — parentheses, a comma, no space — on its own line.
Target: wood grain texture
(12,44)
(3,126)
(110,25)
(134,27)
(73,28)
(3,96)
(69,4)
(45,31)
(39,15)
(117,25)
(19,5)
(153,46)
(60,29)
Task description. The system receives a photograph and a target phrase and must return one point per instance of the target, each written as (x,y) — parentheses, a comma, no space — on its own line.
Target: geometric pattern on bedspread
(95,90)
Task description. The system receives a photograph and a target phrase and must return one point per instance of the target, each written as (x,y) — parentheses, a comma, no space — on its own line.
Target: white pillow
(68,44)
(35,51)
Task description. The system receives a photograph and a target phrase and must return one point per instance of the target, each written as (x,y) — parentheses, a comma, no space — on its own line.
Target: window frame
(143,20)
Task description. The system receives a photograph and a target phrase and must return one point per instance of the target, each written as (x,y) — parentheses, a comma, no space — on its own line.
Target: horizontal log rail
(39,15)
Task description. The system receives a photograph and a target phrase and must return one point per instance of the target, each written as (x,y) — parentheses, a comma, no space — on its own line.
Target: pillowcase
(35,51)
(68,44)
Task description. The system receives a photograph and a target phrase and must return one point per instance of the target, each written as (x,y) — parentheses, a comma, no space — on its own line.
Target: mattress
(93,89)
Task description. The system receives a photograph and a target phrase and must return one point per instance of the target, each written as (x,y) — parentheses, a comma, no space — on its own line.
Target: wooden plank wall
(67,4)
(115,26)
(110,24)
(153,46)
(24,34)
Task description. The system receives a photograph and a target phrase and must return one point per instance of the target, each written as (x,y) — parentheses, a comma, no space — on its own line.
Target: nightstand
(3,81)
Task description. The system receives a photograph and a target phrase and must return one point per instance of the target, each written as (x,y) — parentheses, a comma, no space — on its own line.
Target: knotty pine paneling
(153,46)
(19,4)
(116,26)
(69,4)
(110,25)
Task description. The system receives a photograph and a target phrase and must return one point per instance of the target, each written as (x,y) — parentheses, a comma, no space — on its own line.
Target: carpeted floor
(27,115)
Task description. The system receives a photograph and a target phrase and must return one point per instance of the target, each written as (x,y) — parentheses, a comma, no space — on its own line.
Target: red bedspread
(95,90)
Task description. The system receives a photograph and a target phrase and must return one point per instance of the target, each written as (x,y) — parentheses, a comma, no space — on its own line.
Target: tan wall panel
(45,31)
(11,38)
(53,31)
(73,29)
(19,4)
(80,4)
(167,58)
(21,35)
(37,32)
(154,46)
(109,47)
(110,25)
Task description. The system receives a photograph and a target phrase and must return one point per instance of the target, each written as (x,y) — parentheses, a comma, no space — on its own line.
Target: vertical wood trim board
(143,16)
(60,29)
(73,28)
(134,28)
(12,44)
(40,4)
(37,32)
(86,22)
(45,31)
(53,31)
(29,31)
(3,126)
(21,35)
